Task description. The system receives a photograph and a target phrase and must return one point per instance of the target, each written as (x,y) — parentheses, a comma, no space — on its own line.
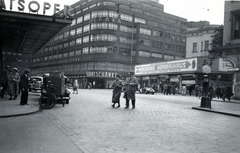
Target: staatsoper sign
(185,65)
(34,6)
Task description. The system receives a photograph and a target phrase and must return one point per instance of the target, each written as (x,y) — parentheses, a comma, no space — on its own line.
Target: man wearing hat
(14,79)
(132,84)
(24,87)
(117,89)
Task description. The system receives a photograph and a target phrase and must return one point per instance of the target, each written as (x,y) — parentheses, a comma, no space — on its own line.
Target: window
(79,30)
(236,25)
(145,42)
(140,20)
(66,34)
(72,53)
(87,17)
(86,28)
(206,45)
(78,41)
(79,19)
(157,55)
(72,43)
(168,57)
(144,54)
(112,26)
(194,47)
(65,45)
(73,22)
(86,39)
(113,14)
(126,17)
(86,50)
(72,32)
(145,31)
(78,52)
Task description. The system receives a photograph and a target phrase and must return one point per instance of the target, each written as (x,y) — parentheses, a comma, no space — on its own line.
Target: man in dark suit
(24,88)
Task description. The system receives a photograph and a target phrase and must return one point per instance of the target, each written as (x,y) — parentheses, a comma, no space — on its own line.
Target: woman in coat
(117,89)
(14,80)
(75,86)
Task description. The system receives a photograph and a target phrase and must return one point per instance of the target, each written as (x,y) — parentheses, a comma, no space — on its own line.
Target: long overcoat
(14,80)
(117,89)
(131,88)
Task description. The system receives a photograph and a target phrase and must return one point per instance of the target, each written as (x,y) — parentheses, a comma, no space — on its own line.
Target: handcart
(54,90)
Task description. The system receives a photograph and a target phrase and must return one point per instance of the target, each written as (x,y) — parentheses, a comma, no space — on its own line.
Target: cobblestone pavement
(159,124)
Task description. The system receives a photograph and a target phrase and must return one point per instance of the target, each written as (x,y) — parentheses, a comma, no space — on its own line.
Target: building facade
(231,43)
(110,37)
(199,40)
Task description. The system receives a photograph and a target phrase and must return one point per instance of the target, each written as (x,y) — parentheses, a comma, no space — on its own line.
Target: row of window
(83,67)
(206,46)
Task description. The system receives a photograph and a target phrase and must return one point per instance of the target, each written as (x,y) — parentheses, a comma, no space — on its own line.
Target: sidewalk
(219,106)
(11,108)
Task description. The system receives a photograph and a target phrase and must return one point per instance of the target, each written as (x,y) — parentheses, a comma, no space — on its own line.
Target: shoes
(125,107)
(21,104)
(112,106)
(26,104)
(2,97)
(118,106)
(10,98)
(133,107)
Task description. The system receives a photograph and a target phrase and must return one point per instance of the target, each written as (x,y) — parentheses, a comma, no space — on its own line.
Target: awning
(27,33)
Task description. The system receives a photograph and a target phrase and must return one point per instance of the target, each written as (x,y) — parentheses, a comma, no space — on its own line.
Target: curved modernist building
(112,36)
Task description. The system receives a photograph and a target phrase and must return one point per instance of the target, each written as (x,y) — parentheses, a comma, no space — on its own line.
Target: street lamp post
(205,102)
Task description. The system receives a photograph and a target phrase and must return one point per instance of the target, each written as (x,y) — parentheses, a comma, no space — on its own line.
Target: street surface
(159,124)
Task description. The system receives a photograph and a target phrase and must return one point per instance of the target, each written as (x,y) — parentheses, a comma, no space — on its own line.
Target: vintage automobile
(147,90)
(35,83)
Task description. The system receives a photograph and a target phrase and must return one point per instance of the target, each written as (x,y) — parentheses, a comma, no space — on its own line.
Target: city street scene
(119,76)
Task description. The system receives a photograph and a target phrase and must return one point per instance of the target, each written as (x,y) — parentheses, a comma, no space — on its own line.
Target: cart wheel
(48,101)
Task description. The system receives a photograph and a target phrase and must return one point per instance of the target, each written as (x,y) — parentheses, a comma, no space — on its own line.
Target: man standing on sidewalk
(24,88)
(4,80)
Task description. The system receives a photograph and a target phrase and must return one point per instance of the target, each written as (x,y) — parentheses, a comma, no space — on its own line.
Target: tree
(218,38)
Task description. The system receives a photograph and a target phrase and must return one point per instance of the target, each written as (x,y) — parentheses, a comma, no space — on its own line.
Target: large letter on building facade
(34,10)
(21,8)
(67,9)
(56,8)
(46,6)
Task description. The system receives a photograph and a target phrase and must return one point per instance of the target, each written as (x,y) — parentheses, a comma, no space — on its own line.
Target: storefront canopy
(27,33)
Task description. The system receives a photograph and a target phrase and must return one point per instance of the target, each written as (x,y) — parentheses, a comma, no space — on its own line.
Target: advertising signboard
(185,65)
(227,65)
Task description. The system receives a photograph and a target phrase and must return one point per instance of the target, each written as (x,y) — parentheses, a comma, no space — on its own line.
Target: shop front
(187,71)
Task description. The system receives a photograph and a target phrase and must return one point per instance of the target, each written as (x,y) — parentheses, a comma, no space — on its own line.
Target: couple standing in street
(129,94)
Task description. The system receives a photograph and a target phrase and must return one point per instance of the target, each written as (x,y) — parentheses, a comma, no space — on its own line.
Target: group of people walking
(12,82)
(128,93)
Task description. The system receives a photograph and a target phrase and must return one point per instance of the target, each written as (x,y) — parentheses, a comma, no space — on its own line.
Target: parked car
(147,90)
(35,83)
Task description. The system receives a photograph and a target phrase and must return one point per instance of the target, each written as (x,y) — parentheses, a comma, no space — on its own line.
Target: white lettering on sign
(106,19)
(101,74)
(34,6)
(167,67)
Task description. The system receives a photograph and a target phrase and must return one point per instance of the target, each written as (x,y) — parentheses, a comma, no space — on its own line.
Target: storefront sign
(101,74)
(167,67)
(227,65)
(106,19)
(34,6)
(188,82)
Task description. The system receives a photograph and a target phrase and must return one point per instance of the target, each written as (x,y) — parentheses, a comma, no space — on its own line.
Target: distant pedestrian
(4,80)
(190,90)
(211,92)
(196,89)
(24,86)
(228,93)
(75,86)
(14,80)
(132,84)
(117,90)
(184,90)
(218,92)
(223,90)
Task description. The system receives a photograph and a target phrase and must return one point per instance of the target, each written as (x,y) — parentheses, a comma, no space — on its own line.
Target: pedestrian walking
(117,90)
(14,80)
(75,86)
(223,90)
(210,93)
(4,80)
(196,88)
(132,84)
(24,87)
(218,92)
(190,90)
(228,93)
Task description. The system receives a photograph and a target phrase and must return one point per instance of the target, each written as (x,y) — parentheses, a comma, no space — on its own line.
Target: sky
(192,10)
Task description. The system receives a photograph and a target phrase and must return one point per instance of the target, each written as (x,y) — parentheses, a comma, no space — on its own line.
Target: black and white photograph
(119,76)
